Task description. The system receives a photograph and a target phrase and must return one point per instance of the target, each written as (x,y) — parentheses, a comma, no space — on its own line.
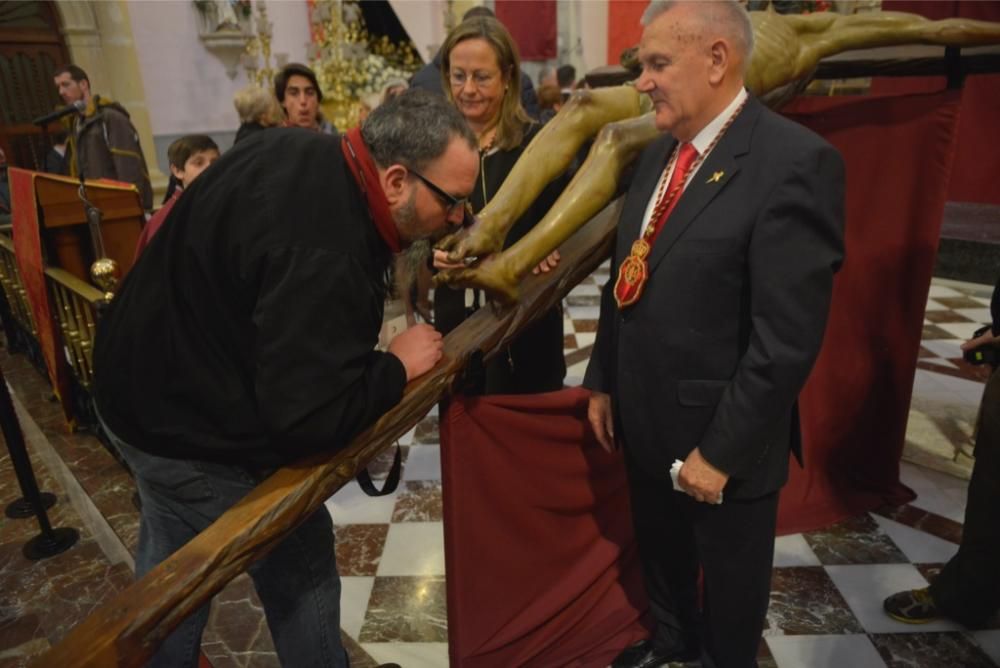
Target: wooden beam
(126,630)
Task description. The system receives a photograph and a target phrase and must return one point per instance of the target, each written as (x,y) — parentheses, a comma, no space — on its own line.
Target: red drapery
(532,24)
(977,162)
(624,30)
(541,566)
(28,254)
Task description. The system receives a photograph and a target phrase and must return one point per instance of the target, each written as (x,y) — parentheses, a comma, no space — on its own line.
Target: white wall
(187,88)
(424,22)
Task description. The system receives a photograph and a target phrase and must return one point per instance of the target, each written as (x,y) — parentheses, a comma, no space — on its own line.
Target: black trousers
(733,545)
(968,587)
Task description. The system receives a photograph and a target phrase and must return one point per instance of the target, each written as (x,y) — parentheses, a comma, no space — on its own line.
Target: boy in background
(189,156)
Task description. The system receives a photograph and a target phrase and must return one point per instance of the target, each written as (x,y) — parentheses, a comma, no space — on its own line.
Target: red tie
(685,159)
(634,270)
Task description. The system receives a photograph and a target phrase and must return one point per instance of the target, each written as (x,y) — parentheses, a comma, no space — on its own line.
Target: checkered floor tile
(827,585)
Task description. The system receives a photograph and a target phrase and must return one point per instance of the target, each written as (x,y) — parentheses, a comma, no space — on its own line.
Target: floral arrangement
(351,64)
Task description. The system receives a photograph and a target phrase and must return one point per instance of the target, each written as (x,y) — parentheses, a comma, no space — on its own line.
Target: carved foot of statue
(491,275)
(480,239)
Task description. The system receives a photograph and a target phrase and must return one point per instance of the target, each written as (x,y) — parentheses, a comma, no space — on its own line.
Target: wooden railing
(13,288)
(126,630)
(75,305)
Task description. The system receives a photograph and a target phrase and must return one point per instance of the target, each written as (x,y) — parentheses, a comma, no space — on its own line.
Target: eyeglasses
(453,203)
(479,79)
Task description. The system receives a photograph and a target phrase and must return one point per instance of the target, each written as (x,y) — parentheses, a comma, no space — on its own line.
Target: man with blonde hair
(257,109)
(726,249)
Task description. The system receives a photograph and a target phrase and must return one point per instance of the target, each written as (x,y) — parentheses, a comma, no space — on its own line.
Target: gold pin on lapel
(716,177)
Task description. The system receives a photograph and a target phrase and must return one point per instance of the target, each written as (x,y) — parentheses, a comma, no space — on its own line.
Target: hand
(601,420)
(700,479)
(547,264)
(441,261)
(986,338)
(419,348)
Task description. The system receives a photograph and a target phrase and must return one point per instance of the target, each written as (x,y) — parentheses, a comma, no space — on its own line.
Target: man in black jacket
(245,338)
(967,589)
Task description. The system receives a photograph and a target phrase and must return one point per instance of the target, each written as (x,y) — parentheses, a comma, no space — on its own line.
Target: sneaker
(913,606)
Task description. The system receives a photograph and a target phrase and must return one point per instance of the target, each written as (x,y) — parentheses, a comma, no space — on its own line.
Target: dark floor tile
(805,601)
(933,333)
(924,520)
(406,609)
(930,650)
(857,540)
(359,548)
(418,501)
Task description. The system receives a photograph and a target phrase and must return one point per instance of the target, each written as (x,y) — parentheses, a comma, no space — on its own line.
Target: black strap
(391,480)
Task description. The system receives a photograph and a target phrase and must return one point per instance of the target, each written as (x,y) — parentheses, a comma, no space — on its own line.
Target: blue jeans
(297,581)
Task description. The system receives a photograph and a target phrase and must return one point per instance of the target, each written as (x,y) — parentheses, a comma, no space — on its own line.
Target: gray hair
(413,129)
(254,104)
(729,16)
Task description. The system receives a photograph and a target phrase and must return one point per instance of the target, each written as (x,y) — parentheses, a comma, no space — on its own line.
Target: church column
(99,38)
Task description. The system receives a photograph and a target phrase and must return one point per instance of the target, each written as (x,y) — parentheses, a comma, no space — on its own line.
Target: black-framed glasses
(453,203)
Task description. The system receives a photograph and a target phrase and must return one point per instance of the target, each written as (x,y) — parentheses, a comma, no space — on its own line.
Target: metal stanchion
(49,542)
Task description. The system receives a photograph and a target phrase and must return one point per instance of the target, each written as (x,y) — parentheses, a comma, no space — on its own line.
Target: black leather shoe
(647,655)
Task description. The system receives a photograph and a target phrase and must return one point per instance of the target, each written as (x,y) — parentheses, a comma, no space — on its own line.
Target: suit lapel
(716,171)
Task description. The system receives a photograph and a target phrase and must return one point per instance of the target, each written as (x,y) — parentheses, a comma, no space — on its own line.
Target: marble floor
(827,585)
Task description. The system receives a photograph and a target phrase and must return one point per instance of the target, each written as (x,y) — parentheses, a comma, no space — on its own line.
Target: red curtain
(899,152)
(624,30)
(532,24)
(977,162)
(542,567)
(28,254)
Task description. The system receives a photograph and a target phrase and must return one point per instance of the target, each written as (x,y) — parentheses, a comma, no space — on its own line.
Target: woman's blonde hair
(257,105)
(513,118)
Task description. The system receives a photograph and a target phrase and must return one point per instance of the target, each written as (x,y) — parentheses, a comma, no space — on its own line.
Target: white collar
(704,139)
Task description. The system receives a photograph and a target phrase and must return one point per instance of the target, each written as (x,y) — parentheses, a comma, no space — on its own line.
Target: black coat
(715,352)
(247,329)
(534,361)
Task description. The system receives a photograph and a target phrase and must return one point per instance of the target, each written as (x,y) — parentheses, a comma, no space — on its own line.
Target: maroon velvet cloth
(977,160)
(542,566)
(898,152)
(532,24)
(542,569)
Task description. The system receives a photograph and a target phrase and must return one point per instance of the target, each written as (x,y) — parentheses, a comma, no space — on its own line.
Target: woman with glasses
(481,72)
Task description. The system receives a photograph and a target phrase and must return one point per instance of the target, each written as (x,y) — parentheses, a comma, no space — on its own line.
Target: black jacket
(715,352)
(247,329)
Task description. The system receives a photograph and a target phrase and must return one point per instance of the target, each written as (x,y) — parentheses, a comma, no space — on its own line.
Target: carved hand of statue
(480,239)
(492,275)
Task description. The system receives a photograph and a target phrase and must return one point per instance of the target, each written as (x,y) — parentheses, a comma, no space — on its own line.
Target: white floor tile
(855,651)
(407,438)
(573,381)
(350,505)
(793,551)
(577,370)
(585,338)
(990,642)
(568,327)
(409,654)
(865,587)
(423,463)
(935,306)
(962,330)
(919,547)
(584,312)
(354,594)
(979,315)
(948,348)
(936,492)
(938,290)
(413,548)
(589,289)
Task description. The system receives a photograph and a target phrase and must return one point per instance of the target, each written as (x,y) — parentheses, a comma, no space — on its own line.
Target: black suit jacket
(715,352)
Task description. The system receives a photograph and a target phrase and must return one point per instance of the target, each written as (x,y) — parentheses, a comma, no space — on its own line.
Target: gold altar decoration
(256,58)
(350,63)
